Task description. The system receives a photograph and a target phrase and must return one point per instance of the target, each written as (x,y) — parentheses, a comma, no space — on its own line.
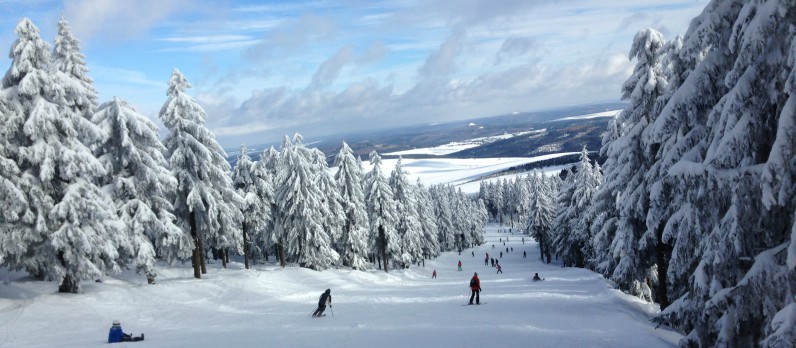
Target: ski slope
(268,306)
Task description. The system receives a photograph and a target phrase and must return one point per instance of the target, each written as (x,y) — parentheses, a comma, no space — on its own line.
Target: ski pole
(331,309)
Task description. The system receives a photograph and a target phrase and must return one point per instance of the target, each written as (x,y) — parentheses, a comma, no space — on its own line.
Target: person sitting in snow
(117,335)
(536,277)
(326,298)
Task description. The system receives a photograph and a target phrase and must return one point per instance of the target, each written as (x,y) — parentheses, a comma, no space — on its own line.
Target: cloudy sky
(266,68)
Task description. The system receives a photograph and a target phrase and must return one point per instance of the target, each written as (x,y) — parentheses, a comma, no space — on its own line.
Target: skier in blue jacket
(117,335)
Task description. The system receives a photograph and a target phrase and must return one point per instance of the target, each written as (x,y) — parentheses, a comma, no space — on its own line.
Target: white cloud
(120,19)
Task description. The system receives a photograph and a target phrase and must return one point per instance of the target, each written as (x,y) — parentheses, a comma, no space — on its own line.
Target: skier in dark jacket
(326,298)
(115,334)
(475,286)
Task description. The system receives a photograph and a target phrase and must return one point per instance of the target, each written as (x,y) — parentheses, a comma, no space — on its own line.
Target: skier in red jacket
(475,286)
(460,265)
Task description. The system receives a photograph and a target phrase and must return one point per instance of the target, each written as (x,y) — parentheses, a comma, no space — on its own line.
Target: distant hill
(558,135)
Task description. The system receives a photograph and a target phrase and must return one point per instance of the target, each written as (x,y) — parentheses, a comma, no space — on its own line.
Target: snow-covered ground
(462,145)
(610,113)
(268,306)
(464,173)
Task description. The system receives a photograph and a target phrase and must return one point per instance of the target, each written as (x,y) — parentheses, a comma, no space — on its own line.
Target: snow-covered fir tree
(353,240)
(302,209)
(252,185)
(571,235)
(541,213)
(408,227)
(67,59)
(265,169)
(140,184)
(206,206)
(642,90)
(71,236)
(428,222)
(383,240)
(444,217)
(16,215)
(334,202)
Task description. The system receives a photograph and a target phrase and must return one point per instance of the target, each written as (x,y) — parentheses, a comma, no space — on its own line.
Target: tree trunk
(226,254)
(663,253)
(68,285)
(196,258)
(245,248)
(223,254)
(281,250)
(383,240)
(202,260)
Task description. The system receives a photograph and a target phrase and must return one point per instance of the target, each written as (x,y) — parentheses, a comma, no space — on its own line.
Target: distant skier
(523,240)
(501,254)
(434,274)
(475,286)
(512,249)
(486,261)
(536,277)
(492,260)
(507,250)
(523,254)
(493,246)
(500,270)
(115,334)
(460,265)
(326,298)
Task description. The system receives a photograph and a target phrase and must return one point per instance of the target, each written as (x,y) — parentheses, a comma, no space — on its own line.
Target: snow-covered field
(610,113)
(464,173)
(462,145)
(268,306)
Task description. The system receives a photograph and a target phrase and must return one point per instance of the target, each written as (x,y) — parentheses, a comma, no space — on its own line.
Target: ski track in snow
(271,306)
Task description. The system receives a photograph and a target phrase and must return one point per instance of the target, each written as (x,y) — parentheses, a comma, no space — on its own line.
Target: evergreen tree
(302,210)
(408,227)
(428,222)
(382,214)
(16,216)
(354,232)
(140,185)
(205,204)
(70,237)
(266,170)
(541,214)
(253,187)
(68,60)
(571,237)
(642,90)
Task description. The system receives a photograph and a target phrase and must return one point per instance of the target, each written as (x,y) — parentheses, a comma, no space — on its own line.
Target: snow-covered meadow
(464,173)
(270,306)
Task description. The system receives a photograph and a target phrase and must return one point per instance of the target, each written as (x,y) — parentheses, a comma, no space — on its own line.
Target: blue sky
(266,68)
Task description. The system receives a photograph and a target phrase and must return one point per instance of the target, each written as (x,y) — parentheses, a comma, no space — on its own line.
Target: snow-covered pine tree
(382,214)
(444,216)
(266,170)
(78,87)
(572,234)
(141,186)
(642,90)
(71,236)
(334,202)
(205,204)
(428,222)
(409,228)
(541,215)
(16,216)
(353,239)
(302,209)
(256,212)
